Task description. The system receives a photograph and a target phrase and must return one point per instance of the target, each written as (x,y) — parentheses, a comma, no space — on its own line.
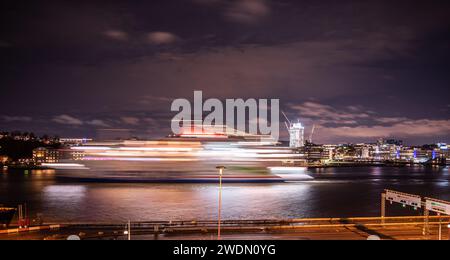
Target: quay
(388,228)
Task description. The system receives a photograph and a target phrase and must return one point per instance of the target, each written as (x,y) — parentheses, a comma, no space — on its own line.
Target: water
(335,192)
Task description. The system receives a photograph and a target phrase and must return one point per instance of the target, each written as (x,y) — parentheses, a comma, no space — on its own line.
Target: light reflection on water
(342,192)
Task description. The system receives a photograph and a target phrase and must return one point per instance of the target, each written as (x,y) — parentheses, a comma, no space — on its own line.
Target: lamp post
(127,231)
(221,169)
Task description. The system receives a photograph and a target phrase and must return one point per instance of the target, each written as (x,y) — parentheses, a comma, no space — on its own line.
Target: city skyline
(358,71)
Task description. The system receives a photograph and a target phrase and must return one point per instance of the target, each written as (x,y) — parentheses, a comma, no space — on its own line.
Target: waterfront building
(444,150)
(364,152)
(330,149)
(46,155)
(415,154)
(406,154)
(421,155)
(387,151)
(25,161)
(74,141)
(316,153)
(296,135)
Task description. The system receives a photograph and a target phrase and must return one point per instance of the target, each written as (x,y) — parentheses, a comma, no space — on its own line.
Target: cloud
(352,123)
(116,35)
(161,38)
(313,68)
(327,113)
(247,11)
(154,100)
(130,120)
(391,120)
(422,127)
(17,118)
(67,120)
(97,122)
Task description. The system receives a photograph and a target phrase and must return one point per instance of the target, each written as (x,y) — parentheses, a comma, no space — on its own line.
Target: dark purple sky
(358,69)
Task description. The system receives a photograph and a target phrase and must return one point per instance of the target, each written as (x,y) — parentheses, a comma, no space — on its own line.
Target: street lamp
(221,169)
(127,231)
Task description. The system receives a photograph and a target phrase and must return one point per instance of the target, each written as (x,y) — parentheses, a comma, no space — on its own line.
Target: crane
(288,123)
(312,133)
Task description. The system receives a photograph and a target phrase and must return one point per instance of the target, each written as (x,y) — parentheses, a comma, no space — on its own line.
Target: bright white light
(91,148)
(69,166)
(291,173)
(287,169)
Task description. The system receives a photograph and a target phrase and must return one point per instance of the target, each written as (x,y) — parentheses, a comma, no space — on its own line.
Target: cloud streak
(116,35)
(247,11)
(410,128)
(162,38)
(97,123)
(9,119)
(325,112)
(67,120)
(130,120)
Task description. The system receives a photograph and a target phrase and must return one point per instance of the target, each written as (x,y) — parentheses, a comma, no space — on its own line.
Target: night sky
(359,70)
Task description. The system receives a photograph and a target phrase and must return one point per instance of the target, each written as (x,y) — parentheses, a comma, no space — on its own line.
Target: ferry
(189,157)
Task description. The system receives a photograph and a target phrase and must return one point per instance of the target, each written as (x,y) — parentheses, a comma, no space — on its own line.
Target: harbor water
(334,192)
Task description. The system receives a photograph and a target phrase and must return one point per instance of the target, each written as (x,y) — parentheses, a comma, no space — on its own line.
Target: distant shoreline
(338,165)
(29,168)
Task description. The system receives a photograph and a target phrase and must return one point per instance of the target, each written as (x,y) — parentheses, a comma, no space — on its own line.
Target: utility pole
(426,215)
(383,207)
(440,227)
(129,230)
(221,169)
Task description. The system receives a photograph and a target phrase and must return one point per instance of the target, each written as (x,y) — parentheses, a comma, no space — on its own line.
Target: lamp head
(221,169)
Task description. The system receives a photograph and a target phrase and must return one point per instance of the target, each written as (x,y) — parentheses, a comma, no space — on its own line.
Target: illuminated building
(443,150)
(366,153)
(421,155)
(414,155)
(317,153)
(387,151)
(4,159)
(330,149)
(46,155)
(296,135)
(74,141)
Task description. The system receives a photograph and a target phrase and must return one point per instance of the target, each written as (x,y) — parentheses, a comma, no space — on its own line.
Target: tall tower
(296,135)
